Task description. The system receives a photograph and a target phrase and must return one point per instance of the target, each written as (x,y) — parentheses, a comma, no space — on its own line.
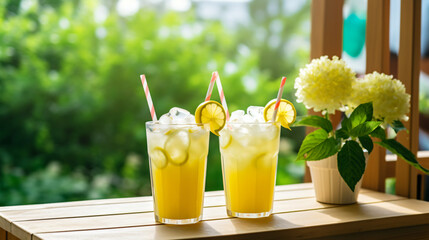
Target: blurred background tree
(72,109)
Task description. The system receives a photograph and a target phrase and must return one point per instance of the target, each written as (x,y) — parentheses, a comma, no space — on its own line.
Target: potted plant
(337,157)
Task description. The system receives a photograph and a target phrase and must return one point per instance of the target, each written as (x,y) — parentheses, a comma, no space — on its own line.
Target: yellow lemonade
(249,163)
(178,157)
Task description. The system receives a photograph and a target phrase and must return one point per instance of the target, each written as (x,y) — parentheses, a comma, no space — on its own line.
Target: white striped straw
(148,98)
(279,96)
(211,85)
(222,96)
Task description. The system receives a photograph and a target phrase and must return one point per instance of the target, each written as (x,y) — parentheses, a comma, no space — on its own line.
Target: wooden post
(377,37)
(408,73)
(326,39)
(377,59)
(2,234)
(9,236)
(326,28)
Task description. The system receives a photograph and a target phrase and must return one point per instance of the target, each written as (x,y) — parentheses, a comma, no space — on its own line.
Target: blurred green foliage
(72,109)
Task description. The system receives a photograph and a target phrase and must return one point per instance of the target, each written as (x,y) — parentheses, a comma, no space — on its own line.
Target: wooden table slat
(299,186)
(301,224)
(23,229)
(296,214)
(211,199)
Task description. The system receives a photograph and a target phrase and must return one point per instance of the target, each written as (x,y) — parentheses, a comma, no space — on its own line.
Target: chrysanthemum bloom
(325,84)
(390,101)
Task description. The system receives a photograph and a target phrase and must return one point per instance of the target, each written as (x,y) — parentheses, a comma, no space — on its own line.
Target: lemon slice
(211,112)
(259,159)
(159,157)
(176,146)
(225,139)
(264,159)
(286,114)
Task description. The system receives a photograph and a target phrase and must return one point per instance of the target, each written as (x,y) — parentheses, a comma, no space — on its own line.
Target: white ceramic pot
(328,183)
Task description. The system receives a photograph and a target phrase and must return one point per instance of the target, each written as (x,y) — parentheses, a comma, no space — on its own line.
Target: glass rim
(253,123)
(175,124)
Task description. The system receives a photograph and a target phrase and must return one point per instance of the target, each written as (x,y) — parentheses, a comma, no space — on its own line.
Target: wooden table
(297,215)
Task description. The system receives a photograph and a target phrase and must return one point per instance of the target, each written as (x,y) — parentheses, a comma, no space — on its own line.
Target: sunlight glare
(250,83)
(100,14)
(127,8)
(179,5)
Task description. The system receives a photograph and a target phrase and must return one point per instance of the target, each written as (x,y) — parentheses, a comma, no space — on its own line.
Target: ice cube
(237,116)
(165,119)
(255,111)
(178,112)
(241,135)
(260,119)
(268,131)
(178,115)
(247,118)
(190,119)
(164,122)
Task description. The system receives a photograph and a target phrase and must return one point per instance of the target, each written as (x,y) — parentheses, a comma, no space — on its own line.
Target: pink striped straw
(222,95)
(148,98)
(211,85)
(279,96)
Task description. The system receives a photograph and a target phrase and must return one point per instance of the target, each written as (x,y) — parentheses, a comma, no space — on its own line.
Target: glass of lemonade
(249,152)
(177,161)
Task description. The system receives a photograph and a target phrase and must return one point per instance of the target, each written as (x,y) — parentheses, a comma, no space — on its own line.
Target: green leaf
(351,163)
(361,114)
(398,149)
(379,132)
(397,126)
(341,133)
(367,143)
(364,128)
(315,121)
(346,124)
(317,145)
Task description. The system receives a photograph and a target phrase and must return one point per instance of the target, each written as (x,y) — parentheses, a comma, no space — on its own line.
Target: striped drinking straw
(148,98)
(279,96)
(222,95)
(212,82)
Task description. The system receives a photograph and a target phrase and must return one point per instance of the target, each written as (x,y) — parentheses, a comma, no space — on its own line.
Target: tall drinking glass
(177,162)
(249,162)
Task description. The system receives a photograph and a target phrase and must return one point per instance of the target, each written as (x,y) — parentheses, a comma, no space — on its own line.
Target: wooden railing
(326,39)
(390,172)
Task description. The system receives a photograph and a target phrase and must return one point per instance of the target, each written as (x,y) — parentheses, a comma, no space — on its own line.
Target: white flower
(325,84)
(390,101)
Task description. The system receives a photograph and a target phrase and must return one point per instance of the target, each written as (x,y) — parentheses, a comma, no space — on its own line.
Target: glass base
(247,215)
(177,221)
